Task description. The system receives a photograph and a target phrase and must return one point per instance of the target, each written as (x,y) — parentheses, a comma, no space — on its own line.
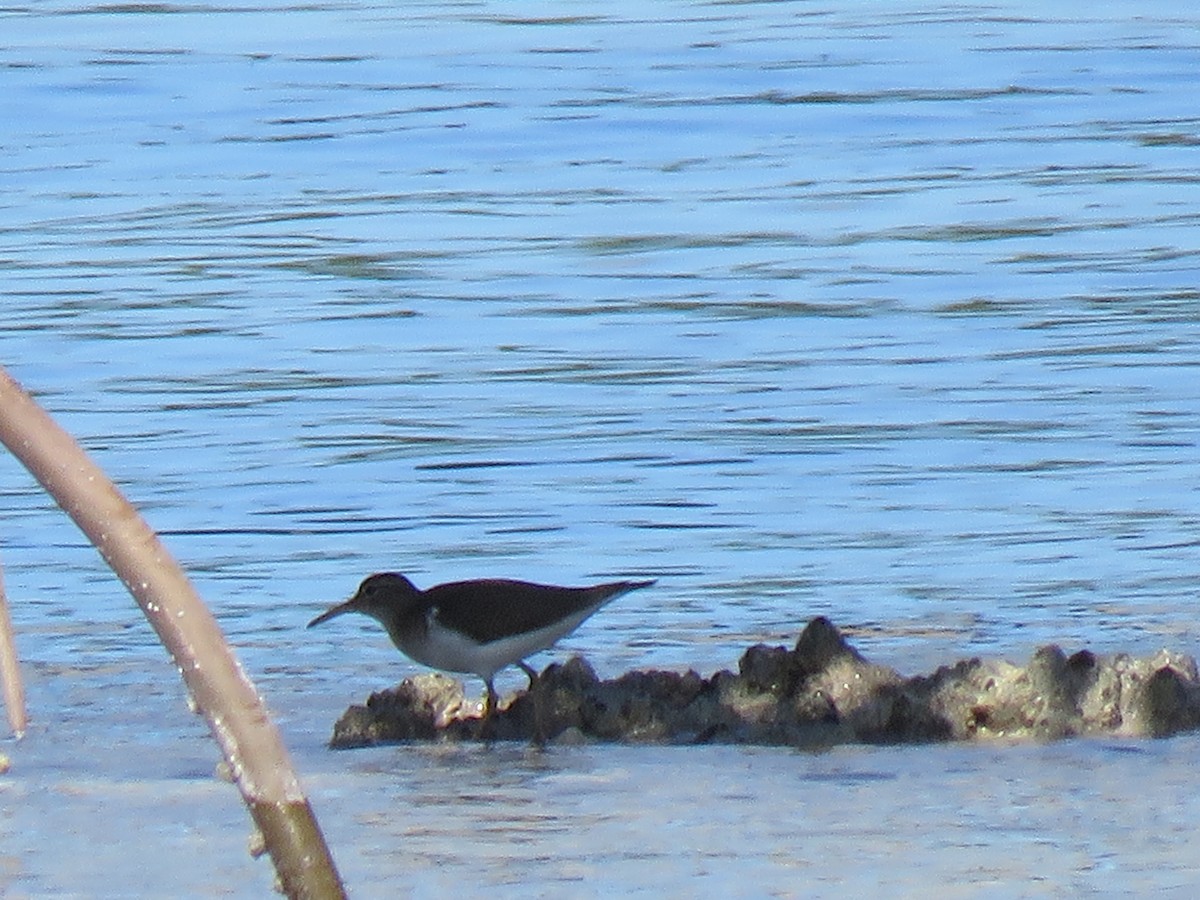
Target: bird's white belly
(446,649)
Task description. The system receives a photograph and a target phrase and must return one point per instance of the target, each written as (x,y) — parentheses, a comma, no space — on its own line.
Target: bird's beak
(349,606)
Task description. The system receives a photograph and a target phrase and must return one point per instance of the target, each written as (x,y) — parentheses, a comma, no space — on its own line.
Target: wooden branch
(252,746)
(10,669)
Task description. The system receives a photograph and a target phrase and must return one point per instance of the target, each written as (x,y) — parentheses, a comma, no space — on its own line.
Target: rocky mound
(821,692)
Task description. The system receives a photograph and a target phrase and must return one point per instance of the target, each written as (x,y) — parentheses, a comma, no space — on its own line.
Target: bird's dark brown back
(489,609)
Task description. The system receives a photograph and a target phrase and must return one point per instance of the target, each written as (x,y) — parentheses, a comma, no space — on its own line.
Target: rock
(820,644)
(819,693)
(1166,702)
(417,709)
(768,669)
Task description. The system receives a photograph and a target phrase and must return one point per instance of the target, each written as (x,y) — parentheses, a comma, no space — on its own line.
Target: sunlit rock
(819,693)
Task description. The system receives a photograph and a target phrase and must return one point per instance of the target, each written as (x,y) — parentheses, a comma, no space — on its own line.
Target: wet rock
(820,644)
(417,709)
(769,670)
(819,693)
(1160,696)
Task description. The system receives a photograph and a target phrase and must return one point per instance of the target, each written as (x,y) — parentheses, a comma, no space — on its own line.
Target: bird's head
(382,597)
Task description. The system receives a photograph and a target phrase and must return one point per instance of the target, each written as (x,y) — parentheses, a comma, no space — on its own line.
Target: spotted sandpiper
(479,626)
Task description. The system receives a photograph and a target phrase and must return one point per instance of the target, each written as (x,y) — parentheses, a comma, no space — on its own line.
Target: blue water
(888,314)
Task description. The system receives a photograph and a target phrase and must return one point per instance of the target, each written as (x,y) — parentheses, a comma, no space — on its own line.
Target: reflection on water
(887,316)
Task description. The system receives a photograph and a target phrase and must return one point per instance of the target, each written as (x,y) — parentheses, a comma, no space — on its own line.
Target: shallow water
(801,310)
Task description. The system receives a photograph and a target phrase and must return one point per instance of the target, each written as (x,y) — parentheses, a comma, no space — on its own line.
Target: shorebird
(476,627)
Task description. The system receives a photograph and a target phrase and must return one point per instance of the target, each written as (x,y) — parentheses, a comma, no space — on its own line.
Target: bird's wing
(494,609)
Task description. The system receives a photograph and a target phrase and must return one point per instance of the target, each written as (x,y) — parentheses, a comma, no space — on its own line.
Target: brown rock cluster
(820,693)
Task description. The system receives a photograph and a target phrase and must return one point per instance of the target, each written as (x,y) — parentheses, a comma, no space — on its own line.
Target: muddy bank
(820,693)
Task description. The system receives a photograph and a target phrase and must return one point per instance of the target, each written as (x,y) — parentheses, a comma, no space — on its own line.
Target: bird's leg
(487,730)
